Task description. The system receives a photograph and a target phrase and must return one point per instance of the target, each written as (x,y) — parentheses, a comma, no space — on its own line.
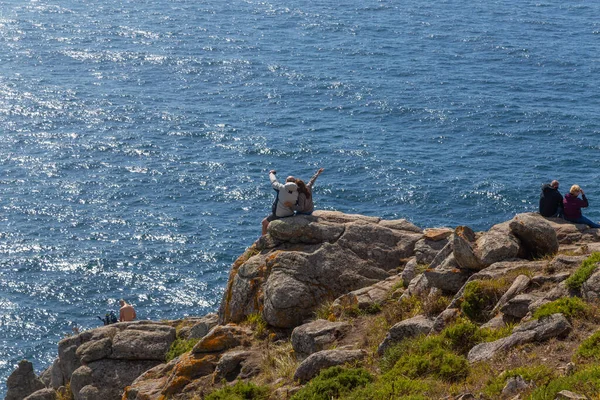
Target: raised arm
(314,178)
(276,185)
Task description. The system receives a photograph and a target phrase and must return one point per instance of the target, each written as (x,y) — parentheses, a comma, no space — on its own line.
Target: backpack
(109,318)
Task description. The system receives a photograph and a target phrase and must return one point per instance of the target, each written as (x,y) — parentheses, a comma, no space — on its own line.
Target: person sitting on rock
(551,201)
(305,204)
(126,312)
(286,194)
(573,205)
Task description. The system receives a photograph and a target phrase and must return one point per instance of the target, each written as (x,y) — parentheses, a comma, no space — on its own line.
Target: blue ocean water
(136,135)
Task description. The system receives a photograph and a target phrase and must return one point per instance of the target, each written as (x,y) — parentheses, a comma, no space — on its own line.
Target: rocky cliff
(336,289)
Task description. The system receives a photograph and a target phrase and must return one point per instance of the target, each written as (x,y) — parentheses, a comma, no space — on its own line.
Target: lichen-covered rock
(464,255)
(427,249)
(518,306)
(22,382)
(94,350)
(540,330)
(448,277)
(515,385)
(436,234)
(316,362)
(203,326)
(106,379)
(485,351)
(143,343)
(555,325)
(590,290)
(223,337)
(42,394)
(444,319)
(518,286)
(367,297)
(237,365)
(166,380)
(568,395)
(419,325)
(409,271)
(497,244)
(287,282)
(314,336)
(305,229)
(535,233)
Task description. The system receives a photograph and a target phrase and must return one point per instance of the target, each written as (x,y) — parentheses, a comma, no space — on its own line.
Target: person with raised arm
(305,204)
(573,205)
(287,196)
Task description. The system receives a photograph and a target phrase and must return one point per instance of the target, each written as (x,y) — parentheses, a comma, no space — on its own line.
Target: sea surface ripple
(136,136)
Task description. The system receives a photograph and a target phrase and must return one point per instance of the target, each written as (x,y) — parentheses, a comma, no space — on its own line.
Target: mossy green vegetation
(582,274)
(570,307)
(480,297)
(589,349)
(258,324)
(335,382)
(540,375)
(240,391)
(390,386)
(180,346)
(584,382)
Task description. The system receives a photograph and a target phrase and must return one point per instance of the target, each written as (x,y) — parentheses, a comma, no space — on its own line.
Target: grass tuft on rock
(582,274)
(540,375)
(590,348)
(428,356)
(179,347)
(570,307)
(392,386)
(480,297)
(240,391)
(258,324)
(585,382)
(332,383)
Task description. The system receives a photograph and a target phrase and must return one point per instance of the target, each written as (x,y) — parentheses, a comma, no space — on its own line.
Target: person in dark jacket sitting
(573,205)
(551,201)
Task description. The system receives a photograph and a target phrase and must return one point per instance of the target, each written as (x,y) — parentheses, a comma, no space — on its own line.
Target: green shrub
(180,346)
(334,382)
(258,324)
(480,297)
(425,357)
(240,391)
(590,348)
(570,307)
(395,387)
(462,336)
(540,374)
(490,335)
(586,382)
(587,268)
(439,363)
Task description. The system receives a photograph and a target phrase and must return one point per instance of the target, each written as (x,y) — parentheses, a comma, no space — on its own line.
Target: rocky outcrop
(100,362)
(22,382)
(362,265)
(287,283)
(314,336)
(367,297)
(555,325)
(535,233)
(419,325)
(316,362)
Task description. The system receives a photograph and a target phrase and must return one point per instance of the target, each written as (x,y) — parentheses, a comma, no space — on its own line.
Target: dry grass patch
(278,361)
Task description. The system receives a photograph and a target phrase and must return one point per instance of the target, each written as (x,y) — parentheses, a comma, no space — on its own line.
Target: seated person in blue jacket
(286,193)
